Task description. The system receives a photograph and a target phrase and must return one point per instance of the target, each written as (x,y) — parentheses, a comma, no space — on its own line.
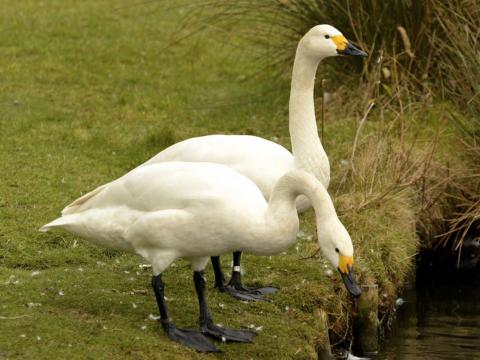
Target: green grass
(89,90)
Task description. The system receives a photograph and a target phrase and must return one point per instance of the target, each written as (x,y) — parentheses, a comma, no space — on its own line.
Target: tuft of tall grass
(428,47)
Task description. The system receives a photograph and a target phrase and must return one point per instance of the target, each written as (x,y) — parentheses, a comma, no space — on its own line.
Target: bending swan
(194,210)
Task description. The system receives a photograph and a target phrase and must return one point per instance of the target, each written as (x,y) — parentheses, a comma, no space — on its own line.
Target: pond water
(439,320)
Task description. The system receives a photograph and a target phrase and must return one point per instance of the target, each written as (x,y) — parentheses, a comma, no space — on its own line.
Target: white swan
(263,161)
(194,210)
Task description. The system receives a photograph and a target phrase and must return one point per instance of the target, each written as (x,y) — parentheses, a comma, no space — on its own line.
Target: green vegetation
(91,89)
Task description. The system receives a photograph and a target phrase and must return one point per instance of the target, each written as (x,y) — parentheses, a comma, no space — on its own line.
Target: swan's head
(336,245)
(323,41)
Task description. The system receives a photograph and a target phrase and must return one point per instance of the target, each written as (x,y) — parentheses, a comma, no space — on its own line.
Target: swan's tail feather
(76,205)
(60,222)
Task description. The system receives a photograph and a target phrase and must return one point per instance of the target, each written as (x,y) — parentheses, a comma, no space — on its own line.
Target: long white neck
(307,149)
(282,217)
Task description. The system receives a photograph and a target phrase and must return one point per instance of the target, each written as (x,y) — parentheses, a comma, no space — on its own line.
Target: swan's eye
(327,36)
(336,249)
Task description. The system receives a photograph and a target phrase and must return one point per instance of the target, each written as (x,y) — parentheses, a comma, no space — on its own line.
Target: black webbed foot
(223,334)
(236,289)
(252,290)
(244,294)
(191,338)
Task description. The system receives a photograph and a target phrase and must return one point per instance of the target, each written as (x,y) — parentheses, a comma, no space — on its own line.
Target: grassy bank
(90,89)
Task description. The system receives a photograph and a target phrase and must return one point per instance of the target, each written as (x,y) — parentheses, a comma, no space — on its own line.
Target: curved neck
(282,202)
(306,146)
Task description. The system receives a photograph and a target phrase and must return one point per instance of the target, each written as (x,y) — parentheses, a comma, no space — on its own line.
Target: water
(439,320)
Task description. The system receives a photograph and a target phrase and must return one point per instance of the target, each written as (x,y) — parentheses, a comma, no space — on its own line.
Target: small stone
(12,280)
(153,317)
(33,304)
(139,292)
(399,302)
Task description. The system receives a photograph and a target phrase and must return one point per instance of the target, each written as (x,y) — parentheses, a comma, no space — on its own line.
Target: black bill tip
(350,283)
(352,50)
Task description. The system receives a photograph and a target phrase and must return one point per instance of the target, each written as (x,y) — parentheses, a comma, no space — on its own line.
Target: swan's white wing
(175,185)
(76,205)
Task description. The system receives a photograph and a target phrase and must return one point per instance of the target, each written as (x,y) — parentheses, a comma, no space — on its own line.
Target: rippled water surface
(440,320)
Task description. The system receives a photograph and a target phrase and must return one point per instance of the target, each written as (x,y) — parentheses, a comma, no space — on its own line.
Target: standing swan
(186,210)
(264,161)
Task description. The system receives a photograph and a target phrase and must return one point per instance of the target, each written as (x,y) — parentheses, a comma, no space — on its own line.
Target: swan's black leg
(219,277)
(207,326)
(236,288)
(191,338)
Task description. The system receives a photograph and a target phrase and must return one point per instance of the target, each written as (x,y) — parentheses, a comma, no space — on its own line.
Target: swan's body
(175,210)
(170,206)
(191,210)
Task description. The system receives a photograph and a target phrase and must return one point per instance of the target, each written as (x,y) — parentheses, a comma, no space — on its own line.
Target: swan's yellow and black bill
(345,267)
(345,47)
